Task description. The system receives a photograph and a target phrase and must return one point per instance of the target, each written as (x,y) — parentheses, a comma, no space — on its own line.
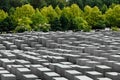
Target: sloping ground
(60,56)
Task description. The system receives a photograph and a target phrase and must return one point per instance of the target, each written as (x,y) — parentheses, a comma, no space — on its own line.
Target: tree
(49,12)
(54,3)
(104,8)
(58,10)
(38,19)
(80,3)
(94,17)
(75,10)
(5,5)
(56,25)
(98,3)
(25,11)
(65,18)
(23,25)
(44,27)
(38,3)
(3,16)
(80,24)
(22,17)
(18,3)
(113,16)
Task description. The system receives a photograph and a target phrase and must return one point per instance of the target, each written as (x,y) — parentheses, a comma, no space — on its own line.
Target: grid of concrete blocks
(60,56)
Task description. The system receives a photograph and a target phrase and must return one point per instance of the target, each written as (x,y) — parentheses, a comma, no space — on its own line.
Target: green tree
(49,12)
(21,13)
(5,5)
(65,18)
(80,24)
(113,16)
(24,11)
(23,25)
(38,19)
(56,25)
(75,10)
(80,3)
(17,3)
(58,10)
(3,16)
(7,25)
(44,27)
(104,8)
(54,3)
(38,3)
(94,17)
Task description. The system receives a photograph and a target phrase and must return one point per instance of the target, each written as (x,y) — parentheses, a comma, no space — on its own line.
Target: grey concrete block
(14,68)
(50,75)
(3,72)
(59,78)
(41,61)
(73,58)
(115,57)
(22,62)
(21,71)
(29,77)
(82,77)
(61,69)
(74,67)
(58,59)
(84,69)
(103,69)
(5,62)
(33,68)
(40,72)
(70,74)
(92,63)
(53,66)
(110,63)
(94,74)
(113,75)
(104,78)
(82,61)
(8,77)
(100,59)
(66,63)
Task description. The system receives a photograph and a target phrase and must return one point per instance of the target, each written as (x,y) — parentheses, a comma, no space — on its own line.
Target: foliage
(75,10)
(44,27)
(94,16)
(54,3)
(80,24)
(46,15)
(38,19)
(24,25)
(38,3)
(113,16)
(104,8)
(6,25)
(65,18)
(49,12)
(58,11)
(24,11)
(3,15)
(115,28)
(56,25)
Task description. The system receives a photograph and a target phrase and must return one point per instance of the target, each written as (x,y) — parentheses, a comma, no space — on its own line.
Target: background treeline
(7,4)
(45,15)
